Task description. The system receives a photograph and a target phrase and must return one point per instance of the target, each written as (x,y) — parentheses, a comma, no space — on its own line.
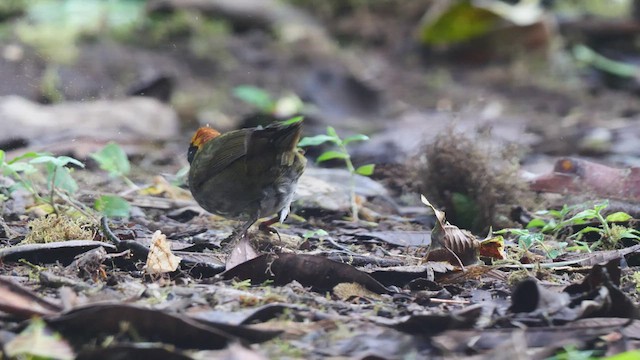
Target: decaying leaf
(315,271)
(161,186)
(598,295)
(37,341)
(160,259)
(346,291)
(450,243)
(22,303)
(243,251)
(493,248)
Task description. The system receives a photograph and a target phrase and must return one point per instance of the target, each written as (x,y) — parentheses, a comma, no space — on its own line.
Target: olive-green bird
(246,174)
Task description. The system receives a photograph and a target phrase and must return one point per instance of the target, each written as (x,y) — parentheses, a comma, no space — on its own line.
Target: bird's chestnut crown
(201,136)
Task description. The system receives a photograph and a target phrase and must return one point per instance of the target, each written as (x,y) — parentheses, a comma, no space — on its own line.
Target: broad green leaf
(526,241)
(600,207)
(332,132)
(366,170)
(536,223)
(255,96)
(330,155)
(629,234)
(582,217)
(21,167)
(180,177)
(551,226)
(589,229)
(63,179)
(293,120)
(460,22)
(59,161)
(112,206)
(352,138)
(316,140)
(65,160)
(618,217)
(113,159)
(43,159)
(316,233)
(629,355)
(28,155)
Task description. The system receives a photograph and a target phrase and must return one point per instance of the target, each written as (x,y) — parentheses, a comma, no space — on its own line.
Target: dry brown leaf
(243,251)
(160,259)
(450,243)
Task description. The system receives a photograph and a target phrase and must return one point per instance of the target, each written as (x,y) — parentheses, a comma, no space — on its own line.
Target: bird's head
(201,137)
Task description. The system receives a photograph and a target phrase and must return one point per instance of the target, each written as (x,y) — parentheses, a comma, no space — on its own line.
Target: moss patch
(58,228)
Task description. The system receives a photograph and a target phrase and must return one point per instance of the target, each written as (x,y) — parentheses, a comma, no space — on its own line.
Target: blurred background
(534,79)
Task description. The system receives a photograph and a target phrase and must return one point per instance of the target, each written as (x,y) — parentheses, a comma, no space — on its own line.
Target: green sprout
(342,153)
(284,106)
(609,231)
(113,159)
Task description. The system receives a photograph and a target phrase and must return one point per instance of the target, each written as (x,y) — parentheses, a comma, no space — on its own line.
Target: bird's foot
(265,226)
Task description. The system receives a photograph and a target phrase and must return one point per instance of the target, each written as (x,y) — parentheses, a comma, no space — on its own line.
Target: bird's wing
(219,154)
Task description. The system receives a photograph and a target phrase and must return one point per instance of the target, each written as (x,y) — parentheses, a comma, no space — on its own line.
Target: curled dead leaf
(160,259)
(449,242)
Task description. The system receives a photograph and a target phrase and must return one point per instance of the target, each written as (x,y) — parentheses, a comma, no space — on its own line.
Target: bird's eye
(191,153)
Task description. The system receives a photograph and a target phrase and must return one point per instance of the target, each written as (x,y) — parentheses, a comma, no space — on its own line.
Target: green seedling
(241,285)
(113,159)
(528,239)
(112,206)
(570,352)
(319,233)
(610,233)
(58,175)
(260,99)
(341,153)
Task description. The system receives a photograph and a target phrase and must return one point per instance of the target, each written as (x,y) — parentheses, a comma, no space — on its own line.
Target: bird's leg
(239,232)
(266,226)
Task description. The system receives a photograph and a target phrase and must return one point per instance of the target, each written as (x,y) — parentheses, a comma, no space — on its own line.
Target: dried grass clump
(476,185)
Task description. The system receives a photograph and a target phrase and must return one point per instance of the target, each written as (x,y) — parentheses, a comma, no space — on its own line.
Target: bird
(247,174)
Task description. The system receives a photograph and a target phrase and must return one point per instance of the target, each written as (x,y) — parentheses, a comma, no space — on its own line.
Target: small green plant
(284,106)
(572,353)
(314,233)
(113,159)
(552,224)
(528,239)
(241,285)
(627,355)
(318,233)
(609,232)
(341,153)
(59,181)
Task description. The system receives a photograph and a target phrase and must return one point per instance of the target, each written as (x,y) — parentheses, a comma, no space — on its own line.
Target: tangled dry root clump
(476,185)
